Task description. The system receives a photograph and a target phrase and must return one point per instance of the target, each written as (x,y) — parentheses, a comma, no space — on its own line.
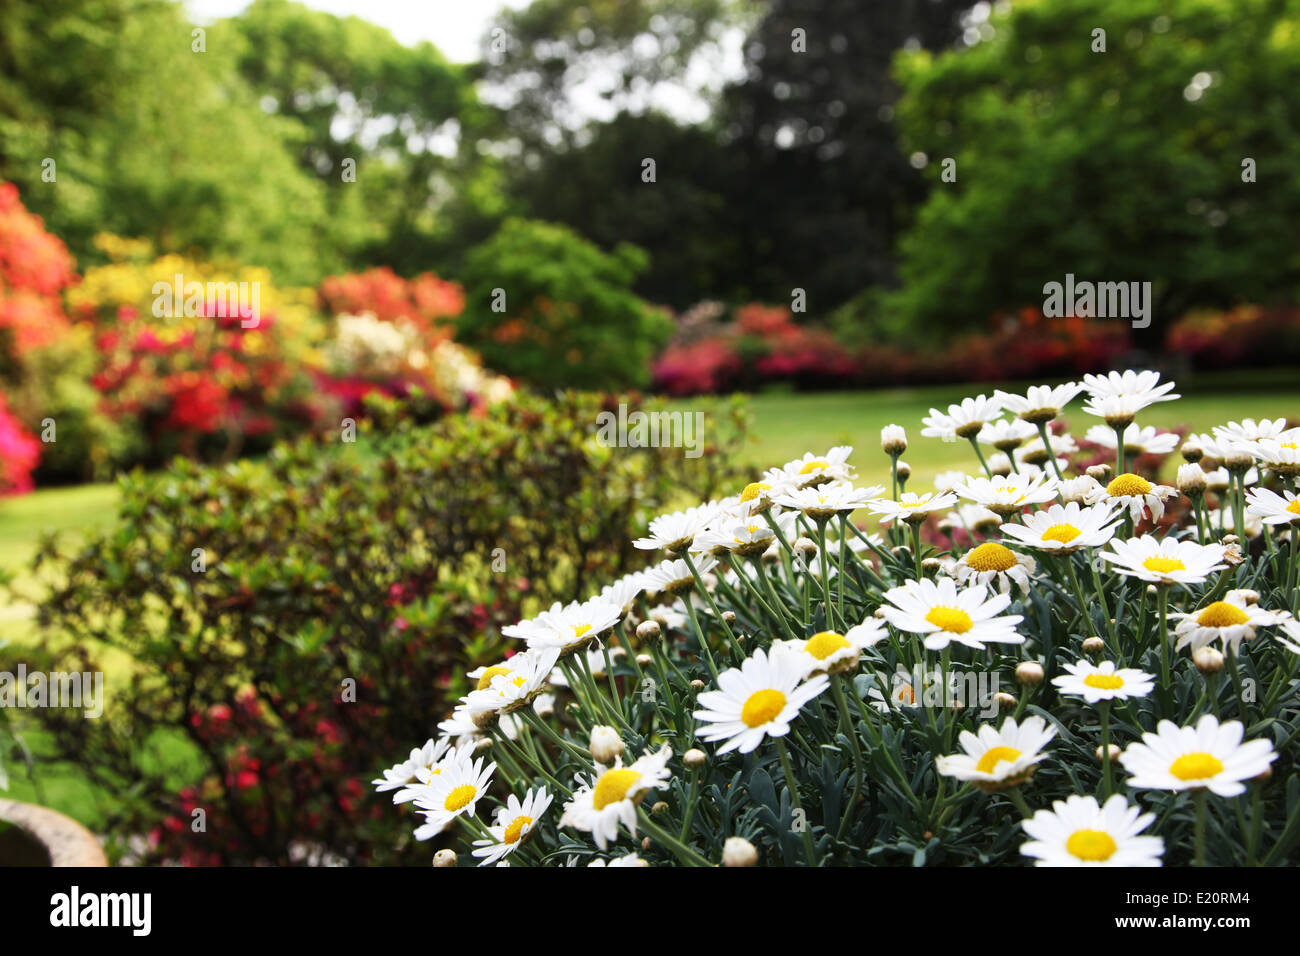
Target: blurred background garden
(807,218)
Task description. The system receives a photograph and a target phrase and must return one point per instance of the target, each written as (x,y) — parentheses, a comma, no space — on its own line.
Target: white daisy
(675,531)
(829,499)
(629,859)
(1271,508)
(1078,832)
(941,612)
(1041,403)
(757,699)
(514,822)
(1135,493)
(1065,528)
(812,469)
(674,577)
(973,518)
(992,564)
(1229,622)
(1118,397)
(1249,430)
(1098,682)
(1210,755)
(568,627)
(963,420)
(400,776)
(832,652)
(1035,453)
(912,507)
(999,759)
(756,498)
(1165,561)
(746,537)
(1281,455)
(623,592)
(1006,434)
(612,794)
(454,791)
(1009,494)
(1137,441)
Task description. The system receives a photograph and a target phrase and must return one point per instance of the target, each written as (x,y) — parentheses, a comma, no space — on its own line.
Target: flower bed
(1040,662)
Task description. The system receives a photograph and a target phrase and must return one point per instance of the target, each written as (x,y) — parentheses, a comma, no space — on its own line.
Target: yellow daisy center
(516,829)
(1122,486)
(496,671)
(754,490)
(950,619)
(762,707)
(580,629)
(1064,533)
(994,756)
(1196,766)
(1091,845)
(612,787)
(1104,681)
(461,797)
(1163,565)
(991,556)
(823,645)
(815,465)
(1294,506)
(1222,614)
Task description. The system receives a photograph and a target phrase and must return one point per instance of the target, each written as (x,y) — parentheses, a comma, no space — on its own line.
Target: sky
(453,26)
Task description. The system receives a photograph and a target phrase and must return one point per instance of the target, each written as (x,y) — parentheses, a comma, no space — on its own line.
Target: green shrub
(547,306)
(375,562)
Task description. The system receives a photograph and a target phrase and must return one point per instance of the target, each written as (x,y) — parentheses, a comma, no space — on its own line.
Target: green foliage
(374,561)
(569,314)
(1119,166)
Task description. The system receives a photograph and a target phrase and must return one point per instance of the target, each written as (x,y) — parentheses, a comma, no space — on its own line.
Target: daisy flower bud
(644,660)
(1247,595)
(1191,480)
(605,744)
(647,630)
(1005,701)
(904,470)
(1208,660)
(482,746)
(659,809)
(1029,673)
(1000,464)
(893,440)
(1099,473)
(697,685)
(805,547)
(729,617)
(444,858)
(738,851)
(694,758)
(931,566)
(1114,753)
(1192,452)
(1093,646)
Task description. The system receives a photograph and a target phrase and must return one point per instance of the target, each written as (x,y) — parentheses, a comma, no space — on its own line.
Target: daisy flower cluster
(1031,663)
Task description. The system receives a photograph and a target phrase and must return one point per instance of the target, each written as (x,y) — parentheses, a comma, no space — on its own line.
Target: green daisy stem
(824,568)
(778,606)
(1047,446)
(1199,797)
(699,635)
(1119,448)
(846,719)
(713,605)
(690,805)
(1101,597)
(980,455)
(678,849)
(793,784)
(786,550)
(1108,785)
(916,547)
(1163,598)
(844,546)
(1078,592)
(1018,799)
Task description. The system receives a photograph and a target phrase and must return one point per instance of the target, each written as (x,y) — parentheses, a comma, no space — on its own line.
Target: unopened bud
(482,746)
(1092,646)
(931,565)
(697,685)
(729,617)
(648,630)
(694,758)
(1208,660)
(1114,753)
(1192,452)
(644,660)
(1099,473)
(605,744)
(1005,700)
(904,470)
(444,858)
(659,809)
(1191,480)
(1000,464)
(805,547)
(1029,673)
(738,851)
(893,440)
